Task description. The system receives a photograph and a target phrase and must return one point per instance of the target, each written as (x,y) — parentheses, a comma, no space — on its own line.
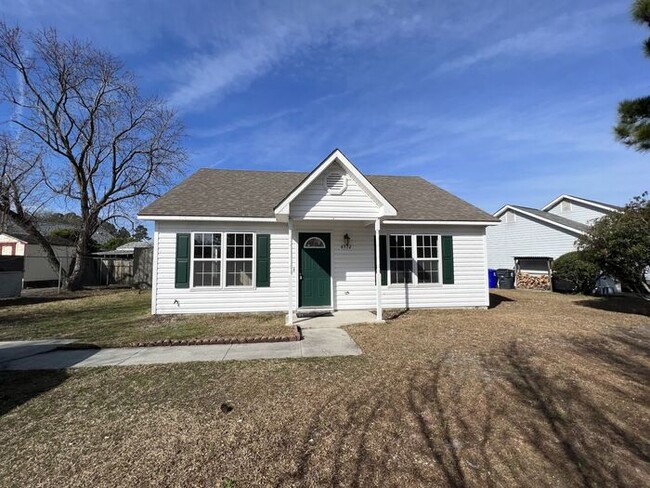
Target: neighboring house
(38,271)
(528,239)
(255,241)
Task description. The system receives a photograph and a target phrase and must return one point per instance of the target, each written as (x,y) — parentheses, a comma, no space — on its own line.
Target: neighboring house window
(239,259)
(566,206)
(428,259)
(207,259)
(401,258)
(414,258)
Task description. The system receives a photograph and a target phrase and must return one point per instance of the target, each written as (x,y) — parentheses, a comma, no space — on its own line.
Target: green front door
(315,265)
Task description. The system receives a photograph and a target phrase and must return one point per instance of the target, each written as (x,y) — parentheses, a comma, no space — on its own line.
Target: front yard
(540,390)
(109,318)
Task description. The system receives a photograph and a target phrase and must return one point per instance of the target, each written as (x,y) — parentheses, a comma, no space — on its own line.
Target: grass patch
(540,390)
(119,318)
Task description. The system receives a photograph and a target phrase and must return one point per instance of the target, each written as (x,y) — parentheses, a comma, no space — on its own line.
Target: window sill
(197,289)
(413,285)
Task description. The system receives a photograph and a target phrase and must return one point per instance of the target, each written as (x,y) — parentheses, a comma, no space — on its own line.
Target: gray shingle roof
(572,224)
(53,240)
(237,193)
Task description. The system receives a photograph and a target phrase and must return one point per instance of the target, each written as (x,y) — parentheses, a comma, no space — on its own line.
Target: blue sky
(500,101)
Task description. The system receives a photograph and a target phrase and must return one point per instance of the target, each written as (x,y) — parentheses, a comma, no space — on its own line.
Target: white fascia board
(501,211)
(212,219)
(14,238)
(549,221)
(576,199)
(386,208)
(439,222)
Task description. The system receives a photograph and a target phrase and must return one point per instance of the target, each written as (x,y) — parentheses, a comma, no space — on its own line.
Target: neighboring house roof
(546,217)
(595,203)
(27,239)
(255,194)
(125,249)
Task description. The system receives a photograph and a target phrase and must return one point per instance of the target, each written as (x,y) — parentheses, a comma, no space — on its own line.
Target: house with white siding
(38,271)
(330,239)
(528,239)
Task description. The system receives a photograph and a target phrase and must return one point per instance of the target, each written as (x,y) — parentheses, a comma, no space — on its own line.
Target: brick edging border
(295,336)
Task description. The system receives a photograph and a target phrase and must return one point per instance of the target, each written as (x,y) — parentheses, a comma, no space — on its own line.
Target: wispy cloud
(570,32)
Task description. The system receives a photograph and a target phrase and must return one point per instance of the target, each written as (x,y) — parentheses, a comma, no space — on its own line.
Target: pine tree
(633,128)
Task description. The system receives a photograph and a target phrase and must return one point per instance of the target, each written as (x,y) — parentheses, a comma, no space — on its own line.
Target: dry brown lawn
(113,318)
(540,390)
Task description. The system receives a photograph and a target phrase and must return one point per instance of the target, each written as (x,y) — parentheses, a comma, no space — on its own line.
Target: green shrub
(577,268)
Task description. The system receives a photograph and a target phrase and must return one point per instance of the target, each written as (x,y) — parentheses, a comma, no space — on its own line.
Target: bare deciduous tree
(22,193)
(103,145)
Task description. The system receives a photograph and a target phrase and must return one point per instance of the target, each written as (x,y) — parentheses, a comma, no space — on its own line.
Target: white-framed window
(239,258)
(223,259)
(428,258)
(207,259)
(400,253)
(414,258)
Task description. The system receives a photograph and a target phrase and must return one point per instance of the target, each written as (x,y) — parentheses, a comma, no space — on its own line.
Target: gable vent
(336,182)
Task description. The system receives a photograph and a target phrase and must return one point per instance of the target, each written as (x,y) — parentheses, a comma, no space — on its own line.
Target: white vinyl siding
(585,214)
(227,299)
(526,237)
(353,270)
(316,202)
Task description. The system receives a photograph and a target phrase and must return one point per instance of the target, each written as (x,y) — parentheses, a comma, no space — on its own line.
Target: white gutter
(213,219)
(439,222)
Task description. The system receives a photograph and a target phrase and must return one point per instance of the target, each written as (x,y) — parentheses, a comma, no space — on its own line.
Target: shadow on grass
(621,304)
(395,314)
(511,418)
(496,299)
(35,300)
(18,387)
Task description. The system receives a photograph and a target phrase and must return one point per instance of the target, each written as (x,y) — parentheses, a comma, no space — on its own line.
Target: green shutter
(263,267)
(448,260)
(383,259)
(182,279)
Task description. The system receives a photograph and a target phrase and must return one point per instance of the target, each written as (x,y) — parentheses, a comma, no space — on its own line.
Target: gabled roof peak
(337,156)
(594,203)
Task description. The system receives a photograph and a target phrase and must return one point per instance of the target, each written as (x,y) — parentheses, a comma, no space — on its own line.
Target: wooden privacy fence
(127,270)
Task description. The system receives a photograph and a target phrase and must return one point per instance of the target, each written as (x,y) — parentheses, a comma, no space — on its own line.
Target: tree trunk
(79,263)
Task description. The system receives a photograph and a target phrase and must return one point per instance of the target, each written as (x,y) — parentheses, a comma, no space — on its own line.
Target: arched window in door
(314,243)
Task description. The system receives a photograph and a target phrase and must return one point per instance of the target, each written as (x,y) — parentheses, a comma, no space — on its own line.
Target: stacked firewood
(533,282)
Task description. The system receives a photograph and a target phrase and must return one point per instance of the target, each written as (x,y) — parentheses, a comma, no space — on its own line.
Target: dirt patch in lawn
(537,391)
(110,318)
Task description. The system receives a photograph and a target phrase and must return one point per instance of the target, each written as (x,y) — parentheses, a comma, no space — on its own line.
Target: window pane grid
(207,259)
(414,257)
(207,273)
(239,259)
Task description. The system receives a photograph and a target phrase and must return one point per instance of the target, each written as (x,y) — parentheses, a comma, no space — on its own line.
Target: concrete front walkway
(28,355)
(336,319)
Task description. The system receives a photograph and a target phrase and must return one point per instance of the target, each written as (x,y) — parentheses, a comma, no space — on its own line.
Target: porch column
(290,287)
(378,271)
